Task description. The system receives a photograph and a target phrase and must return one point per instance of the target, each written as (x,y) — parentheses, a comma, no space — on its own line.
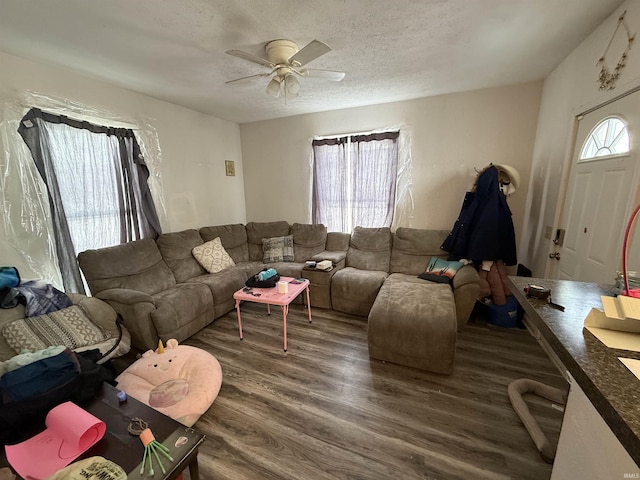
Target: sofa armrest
(135,308)
(466,286)
(337,258)
(125,296)
(466,275)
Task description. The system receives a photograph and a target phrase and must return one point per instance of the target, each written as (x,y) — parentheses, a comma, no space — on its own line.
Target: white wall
(193,146)
(451,136)
(568,90)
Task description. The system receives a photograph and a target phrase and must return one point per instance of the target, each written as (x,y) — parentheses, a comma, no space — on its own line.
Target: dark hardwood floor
(325,410)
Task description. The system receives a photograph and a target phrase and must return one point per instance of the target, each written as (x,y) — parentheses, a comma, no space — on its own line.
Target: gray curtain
(96,181)
(354,181)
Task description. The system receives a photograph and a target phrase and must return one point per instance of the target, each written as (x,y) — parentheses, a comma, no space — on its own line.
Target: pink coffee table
(270,296)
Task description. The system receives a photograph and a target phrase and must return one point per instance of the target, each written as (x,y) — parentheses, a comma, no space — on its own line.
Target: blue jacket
(484,229)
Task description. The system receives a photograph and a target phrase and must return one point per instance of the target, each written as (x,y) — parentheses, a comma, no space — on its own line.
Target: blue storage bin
(504,315)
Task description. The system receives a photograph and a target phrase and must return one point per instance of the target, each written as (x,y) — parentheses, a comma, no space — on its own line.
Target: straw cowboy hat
(509,178)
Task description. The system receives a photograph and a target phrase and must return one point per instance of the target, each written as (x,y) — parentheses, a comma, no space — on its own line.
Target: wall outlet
(547,232)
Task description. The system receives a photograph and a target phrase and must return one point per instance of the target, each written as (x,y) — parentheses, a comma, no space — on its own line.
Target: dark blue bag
(38,377)
(26,397)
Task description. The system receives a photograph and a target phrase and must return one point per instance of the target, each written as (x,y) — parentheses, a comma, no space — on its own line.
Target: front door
(602,189)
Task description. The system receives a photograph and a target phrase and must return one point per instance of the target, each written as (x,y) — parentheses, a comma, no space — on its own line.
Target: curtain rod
(370,132)
(581,115)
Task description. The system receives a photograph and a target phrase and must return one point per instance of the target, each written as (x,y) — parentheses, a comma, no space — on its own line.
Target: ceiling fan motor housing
(280,51)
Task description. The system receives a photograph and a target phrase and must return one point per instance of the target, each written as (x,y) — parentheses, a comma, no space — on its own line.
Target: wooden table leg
(194,471)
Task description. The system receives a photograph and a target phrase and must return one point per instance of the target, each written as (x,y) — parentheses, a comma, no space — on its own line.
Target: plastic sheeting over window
(404,206)
(26,239)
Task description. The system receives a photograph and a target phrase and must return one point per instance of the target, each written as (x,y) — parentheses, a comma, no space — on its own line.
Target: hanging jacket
(484,229)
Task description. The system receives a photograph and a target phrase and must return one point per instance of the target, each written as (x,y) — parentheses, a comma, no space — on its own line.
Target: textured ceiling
(174,49)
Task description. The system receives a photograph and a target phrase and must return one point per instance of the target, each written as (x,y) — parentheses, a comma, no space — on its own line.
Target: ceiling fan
(286,61)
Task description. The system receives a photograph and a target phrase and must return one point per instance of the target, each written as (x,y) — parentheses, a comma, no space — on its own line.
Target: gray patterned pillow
(277,249)
(68,326)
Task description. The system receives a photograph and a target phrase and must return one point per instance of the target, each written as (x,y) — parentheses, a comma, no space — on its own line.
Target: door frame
(551,264)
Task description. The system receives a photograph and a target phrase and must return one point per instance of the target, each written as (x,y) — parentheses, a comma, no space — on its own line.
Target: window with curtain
(354,181)
(96,182)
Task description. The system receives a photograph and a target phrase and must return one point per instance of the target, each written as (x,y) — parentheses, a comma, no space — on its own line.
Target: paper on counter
(621,307)
(631,364)
(610,331)
(615,339)
(598,318)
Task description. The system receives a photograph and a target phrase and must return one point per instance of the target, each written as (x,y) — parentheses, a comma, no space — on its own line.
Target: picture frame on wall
(230,168)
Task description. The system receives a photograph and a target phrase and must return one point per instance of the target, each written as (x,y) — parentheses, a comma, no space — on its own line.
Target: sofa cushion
(212,256)
(256,231)
(287,269)
(308,240)
(370,249)
(354,291)
(277,249)
(413,248)
(233,238)
(136,265)
(222,286)
(413,324)
(338,241)
(176,249)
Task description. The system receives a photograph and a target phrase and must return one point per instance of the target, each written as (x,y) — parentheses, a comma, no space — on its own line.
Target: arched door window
(609,137)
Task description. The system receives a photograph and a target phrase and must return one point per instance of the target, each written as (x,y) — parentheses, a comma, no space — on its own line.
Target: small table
(126,450)
(270,296)
(119,446)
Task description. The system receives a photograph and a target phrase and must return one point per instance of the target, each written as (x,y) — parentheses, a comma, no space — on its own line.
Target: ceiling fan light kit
(291,85)
(285,59)
(273,87)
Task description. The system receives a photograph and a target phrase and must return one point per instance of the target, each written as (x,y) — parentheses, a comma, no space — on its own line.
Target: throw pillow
(277,249)
(68,326)
(212,256)
(441,271)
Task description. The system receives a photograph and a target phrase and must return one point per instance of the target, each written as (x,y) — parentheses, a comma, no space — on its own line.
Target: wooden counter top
(610,386)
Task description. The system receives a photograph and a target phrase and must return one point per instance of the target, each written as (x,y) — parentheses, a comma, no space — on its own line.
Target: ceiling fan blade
(251,58)
(309,52)
(250,76)
(333,75)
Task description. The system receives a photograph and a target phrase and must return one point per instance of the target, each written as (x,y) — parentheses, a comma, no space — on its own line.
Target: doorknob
(555,255)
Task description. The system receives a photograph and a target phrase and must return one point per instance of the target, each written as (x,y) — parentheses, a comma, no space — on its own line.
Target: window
(354,181)
(96,180)
(609,137)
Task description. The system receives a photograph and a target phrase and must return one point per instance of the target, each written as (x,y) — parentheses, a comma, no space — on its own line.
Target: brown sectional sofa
(162,292)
